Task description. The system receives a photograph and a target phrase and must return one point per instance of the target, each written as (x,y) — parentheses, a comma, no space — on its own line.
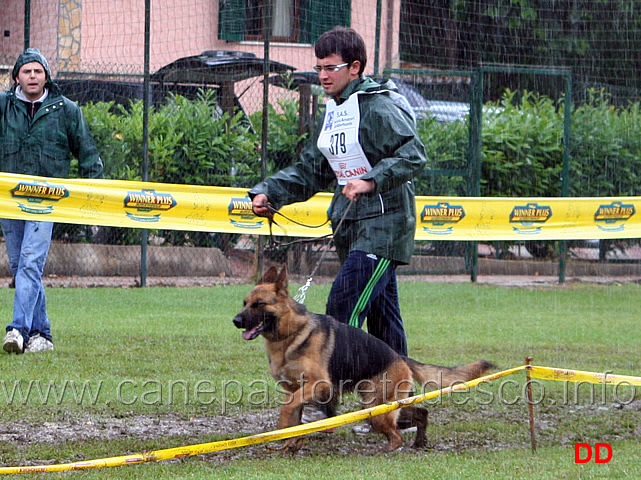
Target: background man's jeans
(27,246)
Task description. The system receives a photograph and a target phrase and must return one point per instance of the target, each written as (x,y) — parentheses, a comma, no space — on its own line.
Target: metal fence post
(145,139)
(475,157)
(565,175)
(267,29)
(27,23)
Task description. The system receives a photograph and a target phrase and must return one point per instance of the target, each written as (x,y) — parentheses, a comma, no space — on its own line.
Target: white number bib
(338,140)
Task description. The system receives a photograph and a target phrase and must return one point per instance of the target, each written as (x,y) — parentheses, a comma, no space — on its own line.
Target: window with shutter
(295,21)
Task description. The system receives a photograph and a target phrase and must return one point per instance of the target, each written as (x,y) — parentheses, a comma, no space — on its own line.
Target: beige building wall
(107,36)
(43,32)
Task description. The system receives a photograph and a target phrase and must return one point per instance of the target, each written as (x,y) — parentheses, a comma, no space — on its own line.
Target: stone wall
(434,265)
(85,259)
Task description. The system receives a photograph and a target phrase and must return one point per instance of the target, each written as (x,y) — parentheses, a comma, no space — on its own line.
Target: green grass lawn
(125,353)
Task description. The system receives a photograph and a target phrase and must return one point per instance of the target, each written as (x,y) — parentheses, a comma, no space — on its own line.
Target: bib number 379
(337,143)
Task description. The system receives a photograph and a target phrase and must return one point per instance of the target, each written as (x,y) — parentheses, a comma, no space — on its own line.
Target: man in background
(39,132)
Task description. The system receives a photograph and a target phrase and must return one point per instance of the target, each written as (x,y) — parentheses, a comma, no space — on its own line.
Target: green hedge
(522,149)
(189,142)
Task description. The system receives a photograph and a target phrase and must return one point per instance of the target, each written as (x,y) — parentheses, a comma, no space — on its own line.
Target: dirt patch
(86,427)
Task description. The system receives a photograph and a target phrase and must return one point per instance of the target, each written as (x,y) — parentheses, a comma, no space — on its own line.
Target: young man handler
(368,147)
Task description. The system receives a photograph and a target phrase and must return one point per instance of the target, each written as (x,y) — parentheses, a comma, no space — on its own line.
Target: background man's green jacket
(43,145)
(382,222)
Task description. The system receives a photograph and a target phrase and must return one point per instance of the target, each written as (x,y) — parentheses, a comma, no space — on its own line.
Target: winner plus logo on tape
(529,216)
(241,208)
(145,202)
(36,194)
(440,216)
(611,217)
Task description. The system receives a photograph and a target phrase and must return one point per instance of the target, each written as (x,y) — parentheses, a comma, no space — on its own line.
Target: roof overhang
(215,67)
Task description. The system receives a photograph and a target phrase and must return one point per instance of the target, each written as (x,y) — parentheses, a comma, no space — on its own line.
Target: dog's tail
(435,377)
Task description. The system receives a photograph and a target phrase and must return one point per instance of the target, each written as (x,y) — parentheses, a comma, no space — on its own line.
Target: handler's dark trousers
(366,287)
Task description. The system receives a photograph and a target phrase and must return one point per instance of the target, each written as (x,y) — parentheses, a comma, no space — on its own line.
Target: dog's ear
(269,276)
(281,281)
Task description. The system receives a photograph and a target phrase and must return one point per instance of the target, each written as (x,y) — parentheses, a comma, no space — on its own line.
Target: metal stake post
(529,403)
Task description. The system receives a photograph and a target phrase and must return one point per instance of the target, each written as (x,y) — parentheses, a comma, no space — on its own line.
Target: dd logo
(588,452)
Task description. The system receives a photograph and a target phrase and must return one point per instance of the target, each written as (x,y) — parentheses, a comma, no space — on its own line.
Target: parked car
(442,111)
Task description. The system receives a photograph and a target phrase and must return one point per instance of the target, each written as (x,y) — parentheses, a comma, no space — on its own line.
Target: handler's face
(335,82)
(32,79)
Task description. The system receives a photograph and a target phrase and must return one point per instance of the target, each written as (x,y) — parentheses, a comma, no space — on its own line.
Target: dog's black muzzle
(239,322)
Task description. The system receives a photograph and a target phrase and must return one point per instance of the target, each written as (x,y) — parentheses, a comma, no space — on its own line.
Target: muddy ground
(551,429)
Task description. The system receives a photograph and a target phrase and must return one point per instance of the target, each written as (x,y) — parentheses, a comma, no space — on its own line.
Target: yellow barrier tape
(151,205)
(563,375)
(545,373)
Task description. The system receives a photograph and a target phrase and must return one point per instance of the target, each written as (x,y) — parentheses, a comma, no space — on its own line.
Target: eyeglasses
(329,68)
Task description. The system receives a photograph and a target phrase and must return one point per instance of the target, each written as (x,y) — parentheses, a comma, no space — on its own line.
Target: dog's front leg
(292,409)
(290,415)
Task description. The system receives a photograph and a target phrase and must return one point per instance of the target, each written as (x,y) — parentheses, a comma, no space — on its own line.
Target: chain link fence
(216,51)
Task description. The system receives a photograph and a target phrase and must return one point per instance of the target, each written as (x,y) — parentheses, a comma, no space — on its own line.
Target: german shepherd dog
(315,358)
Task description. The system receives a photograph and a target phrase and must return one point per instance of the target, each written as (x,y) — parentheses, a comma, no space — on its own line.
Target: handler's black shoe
(311,413)
(404,424)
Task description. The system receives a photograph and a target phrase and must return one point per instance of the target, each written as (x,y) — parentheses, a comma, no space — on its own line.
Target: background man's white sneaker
(38,344)
(13,342)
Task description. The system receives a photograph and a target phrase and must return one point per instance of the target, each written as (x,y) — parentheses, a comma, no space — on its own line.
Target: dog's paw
(293,445)
(274,448)
(421,440)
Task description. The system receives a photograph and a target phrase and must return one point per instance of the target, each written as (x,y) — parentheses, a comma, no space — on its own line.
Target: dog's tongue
(251,334)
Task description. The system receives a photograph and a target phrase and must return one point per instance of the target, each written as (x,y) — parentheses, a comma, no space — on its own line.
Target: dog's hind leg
(419,418)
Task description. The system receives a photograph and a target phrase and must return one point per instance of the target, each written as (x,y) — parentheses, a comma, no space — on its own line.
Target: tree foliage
(600,40)
(522,148)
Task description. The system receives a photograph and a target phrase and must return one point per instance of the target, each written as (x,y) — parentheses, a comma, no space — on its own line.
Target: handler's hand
(259,205)
(354,188)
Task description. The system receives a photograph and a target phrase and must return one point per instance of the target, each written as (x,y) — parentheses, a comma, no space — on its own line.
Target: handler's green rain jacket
(382,222)
(43,145)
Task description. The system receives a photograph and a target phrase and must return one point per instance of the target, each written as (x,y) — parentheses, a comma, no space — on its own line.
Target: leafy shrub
(189,143)
(446,147)
(283,139)
(523,148)
(605,148)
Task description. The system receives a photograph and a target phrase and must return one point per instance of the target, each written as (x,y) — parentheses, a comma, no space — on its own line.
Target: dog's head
(264,306)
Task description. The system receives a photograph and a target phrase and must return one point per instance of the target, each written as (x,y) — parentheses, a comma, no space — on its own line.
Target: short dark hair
(345,42)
